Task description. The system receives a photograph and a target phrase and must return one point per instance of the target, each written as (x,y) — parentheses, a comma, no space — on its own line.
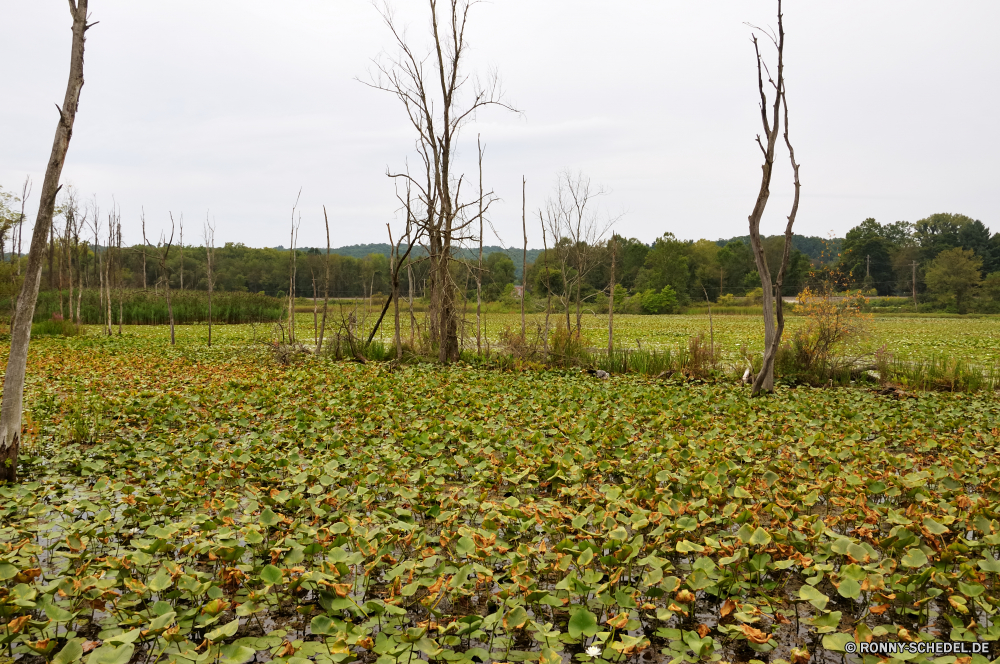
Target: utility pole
(914,280)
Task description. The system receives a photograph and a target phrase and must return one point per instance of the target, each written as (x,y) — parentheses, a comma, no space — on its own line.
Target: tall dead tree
(431,90)
(25,194)
(291,273)
(524,256)
(612,245)
(577,232)
(479,269)
(774,320)
(180,247)
(17,360)
(210,257)
(162,253)
(326,284)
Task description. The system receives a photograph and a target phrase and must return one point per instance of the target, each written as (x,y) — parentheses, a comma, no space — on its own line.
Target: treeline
(948,261)
(945,262)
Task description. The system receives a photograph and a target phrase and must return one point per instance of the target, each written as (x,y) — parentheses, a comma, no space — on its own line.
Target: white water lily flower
(593,651)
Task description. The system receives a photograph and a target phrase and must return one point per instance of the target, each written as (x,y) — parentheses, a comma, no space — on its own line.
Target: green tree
(865,257)
(939,232)
(500,271)
(704,266)
(736,262)
(798,265)
(630,256)
(664,301)
(666,264)
(956,273)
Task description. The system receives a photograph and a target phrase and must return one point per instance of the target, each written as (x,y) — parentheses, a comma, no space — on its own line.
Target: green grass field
(185,504)
(972,339)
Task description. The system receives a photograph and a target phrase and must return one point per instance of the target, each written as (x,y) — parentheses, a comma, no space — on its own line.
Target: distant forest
(950,261)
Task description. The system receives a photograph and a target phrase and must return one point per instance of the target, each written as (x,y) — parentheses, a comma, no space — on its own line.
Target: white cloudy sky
(193,106)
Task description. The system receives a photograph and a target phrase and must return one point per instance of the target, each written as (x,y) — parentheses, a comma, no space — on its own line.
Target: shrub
(662,302)
(809,355)
(566,348)
(55,326)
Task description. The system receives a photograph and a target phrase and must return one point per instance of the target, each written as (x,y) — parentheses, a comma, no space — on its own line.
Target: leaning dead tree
(774,320)
(17,361)
(433,89)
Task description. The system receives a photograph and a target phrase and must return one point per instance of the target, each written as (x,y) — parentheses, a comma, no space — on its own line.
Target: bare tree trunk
(394,271)
(118,274)
(181,247)
(611,303)
(209,256)
(68,249)
(524,256)
(413,319)
(106,278)
(79,290)
(291,278)
(315,306)
(145,286)
(326,284)
(100,269)
(479,271)
(163,252)
(548,284)
(772,328)
(52,250)
(25,193)
(13,387)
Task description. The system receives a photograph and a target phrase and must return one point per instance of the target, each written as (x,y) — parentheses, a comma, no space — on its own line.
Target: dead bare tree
(120,286)
(106,276)
(162,253)
(397,265)
(180,247)
(437,109)
(612,245)
(479,269)
(548,284)
(17,360)
(774,320)
(524,256)
(144,242)
(25,194)
(326,285)
(291,272)
(577,231)
(209,233)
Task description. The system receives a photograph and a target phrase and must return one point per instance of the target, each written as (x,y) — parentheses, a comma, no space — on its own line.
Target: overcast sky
(227,108)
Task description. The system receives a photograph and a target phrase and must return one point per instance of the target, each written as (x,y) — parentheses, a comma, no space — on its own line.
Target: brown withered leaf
(727,607)
(703,630)
(800,656)
(619,621)
(754,635)
(685,596)
(17,624)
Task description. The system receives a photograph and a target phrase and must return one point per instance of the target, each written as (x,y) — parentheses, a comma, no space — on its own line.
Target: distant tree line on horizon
(955,259)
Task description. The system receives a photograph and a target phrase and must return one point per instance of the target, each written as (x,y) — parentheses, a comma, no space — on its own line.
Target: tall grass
(148,308)
(55,327)
(936,372)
